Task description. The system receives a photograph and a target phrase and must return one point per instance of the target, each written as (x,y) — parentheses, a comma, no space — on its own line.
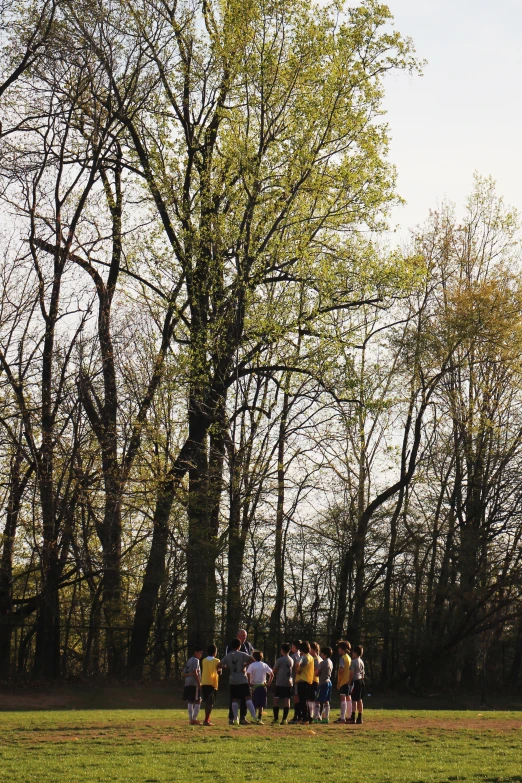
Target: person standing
(237,663)
(247,648)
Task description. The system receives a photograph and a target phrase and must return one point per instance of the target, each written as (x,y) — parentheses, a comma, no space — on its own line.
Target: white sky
(465,113)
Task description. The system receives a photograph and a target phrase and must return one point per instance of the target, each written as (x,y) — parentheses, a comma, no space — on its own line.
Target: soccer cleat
(274,721)
(359,719)
(340,720)
(207,723)
(352,719)
(235,722)
(258,721)
(294,720)
(244,722)
(195,723)
(316,720)
(230,721)
(324,720)
(284,723)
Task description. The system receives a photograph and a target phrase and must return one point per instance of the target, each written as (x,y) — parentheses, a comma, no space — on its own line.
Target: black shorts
(344,690)
(312,691)
(303,690)
(358,690)
(283,692)
(241,691)
(208,693)
(191,693)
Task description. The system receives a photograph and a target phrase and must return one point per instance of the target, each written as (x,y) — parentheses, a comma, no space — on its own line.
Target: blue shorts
(324,693)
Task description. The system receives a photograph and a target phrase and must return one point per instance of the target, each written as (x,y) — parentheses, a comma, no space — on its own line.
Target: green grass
(156,746)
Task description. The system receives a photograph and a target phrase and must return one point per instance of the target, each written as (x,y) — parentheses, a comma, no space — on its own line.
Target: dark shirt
(246,647)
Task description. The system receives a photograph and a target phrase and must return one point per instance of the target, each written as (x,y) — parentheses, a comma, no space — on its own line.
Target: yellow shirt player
(305,684)
(210,671)
(343,680)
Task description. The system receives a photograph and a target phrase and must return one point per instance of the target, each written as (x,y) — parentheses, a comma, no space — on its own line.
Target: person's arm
(340,672)
(270,676)
(350,674)
(223,662)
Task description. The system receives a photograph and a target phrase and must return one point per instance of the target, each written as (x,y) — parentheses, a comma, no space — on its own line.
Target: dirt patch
(165,731)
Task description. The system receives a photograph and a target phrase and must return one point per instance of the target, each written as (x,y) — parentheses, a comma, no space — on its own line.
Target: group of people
(302,674)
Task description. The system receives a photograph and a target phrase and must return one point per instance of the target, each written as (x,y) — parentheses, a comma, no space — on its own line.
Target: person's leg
(243,709)
(296,705)
(235,710)
(251,708)
(360,711)
(276,708)
(195,710)
(349,707)
(230,712)
(343,708)
(286,709)
(189,710)
(326,712)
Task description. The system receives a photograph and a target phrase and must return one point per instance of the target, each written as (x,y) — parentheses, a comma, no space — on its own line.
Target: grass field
(156,746)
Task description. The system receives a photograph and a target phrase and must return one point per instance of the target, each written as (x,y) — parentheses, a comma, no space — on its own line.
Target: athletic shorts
(259,696)
(303,691)
(283,692)
(241,691)
(345,689)
(312,691)
(358,690)
(191,693)
(208,693)
(325,692)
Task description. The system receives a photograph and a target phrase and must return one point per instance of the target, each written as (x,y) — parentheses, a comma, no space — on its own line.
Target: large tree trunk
(154,576)
(275,627)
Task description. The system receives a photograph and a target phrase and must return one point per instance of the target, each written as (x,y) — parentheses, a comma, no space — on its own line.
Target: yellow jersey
(343,674)
(317,661)
(209,672)
(306,672)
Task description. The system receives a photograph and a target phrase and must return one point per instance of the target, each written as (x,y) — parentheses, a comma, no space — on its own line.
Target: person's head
(296,645)
(326,652)
(211,649)
(285,648)
(342,647)
(235,644)
(257,655)
(314,648)
(242,635)
(305,648)
(198,652)
(358,651)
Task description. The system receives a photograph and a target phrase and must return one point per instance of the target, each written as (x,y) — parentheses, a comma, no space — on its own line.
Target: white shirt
(258,672)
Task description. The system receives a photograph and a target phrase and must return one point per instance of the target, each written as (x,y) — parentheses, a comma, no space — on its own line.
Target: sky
(465,113)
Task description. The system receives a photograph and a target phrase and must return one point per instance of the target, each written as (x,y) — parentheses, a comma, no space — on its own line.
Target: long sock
(343,710)
(311,707)
(251,708)
(276,713)
(235,709)
(296,711)
(195,711)
(189,710)
(260,714)
(326,712)
(317,710)
(286,710)
(349,705)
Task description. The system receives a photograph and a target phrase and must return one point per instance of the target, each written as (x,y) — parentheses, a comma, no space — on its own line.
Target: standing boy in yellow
(305,682)
(210,671)
(343,680)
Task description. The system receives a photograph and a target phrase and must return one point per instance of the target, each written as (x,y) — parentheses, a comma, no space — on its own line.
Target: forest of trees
(226,398)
